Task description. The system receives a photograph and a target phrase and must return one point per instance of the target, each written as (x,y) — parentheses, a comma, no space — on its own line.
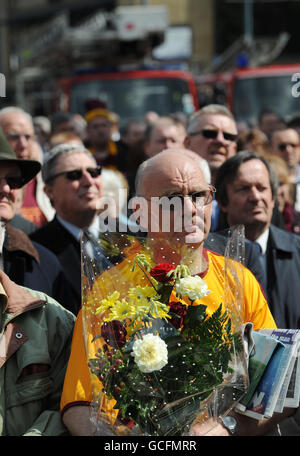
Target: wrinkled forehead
(75,159)
(219,121)
(174,174)
(286,136)
(17,122)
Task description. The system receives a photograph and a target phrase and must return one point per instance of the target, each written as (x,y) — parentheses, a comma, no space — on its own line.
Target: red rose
(114,333)
(159,272)
(178,309)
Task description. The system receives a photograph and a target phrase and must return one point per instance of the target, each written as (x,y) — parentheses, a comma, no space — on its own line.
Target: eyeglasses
(202,197)
(17,136)
(76,174)
(283,146)
(213,134)
(13,181)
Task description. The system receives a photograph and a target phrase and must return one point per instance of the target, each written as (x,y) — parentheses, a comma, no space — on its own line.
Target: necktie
(262,261)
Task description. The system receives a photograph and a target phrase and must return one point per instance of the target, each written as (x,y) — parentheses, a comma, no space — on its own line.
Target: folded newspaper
(274,373)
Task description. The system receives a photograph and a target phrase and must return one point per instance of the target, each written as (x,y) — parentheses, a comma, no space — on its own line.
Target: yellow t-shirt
(78,388)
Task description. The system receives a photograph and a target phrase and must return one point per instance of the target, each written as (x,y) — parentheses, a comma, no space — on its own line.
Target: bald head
(169,166)
(176,181)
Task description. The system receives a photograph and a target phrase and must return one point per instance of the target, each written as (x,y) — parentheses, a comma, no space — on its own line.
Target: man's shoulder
(52,308)
(46,229)
(219,260)
(284,240)
(51,235)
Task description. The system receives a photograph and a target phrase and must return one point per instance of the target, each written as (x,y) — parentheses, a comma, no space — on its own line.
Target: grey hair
(53,156)
(207,110)
(12,109)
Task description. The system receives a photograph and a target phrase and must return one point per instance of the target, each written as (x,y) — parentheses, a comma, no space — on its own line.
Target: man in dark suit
(246,192)
(217,242)
(73,184)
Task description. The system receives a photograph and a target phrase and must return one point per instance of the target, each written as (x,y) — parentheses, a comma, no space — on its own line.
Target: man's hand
(209,428)
(77,420)
(246,426)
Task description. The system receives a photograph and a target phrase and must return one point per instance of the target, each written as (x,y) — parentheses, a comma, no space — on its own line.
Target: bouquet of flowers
(161,353)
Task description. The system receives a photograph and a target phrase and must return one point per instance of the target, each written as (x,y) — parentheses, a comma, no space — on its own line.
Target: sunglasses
(76,174)
(202,197)
(14,181)
(213,134)
(283,146)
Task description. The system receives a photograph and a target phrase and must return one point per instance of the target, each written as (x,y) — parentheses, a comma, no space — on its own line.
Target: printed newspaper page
(279,382)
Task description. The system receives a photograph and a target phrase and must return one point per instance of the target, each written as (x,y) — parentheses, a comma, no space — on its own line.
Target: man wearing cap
(27,263)
(35,330)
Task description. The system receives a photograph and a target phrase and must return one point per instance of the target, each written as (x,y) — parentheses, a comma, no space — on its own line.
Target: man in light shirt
(73,185)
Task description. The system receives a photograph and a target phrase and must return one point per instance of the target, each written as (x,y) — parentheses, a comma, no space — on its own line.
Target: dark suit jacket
(217,243)
(67,250)
(283,269)
(33,266)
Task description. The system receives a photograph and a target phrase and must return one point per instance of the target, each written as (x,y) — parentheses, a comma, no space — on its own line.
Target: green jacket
(35,341)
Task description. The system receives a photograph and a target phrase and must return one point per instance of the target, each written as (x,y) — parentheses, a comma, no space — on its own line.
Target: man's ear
(187,142)
(222,207)
(146,149)
(48,189)
(233,149)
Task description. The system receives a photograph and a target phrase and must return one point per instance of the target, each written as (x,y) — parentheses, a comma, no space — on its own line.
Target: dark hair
(228,172)
(124,129)
(267,111)
(60,117)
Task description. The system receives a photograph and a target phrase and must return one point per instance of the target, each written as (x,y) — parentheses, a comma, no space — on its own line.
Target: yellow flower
(108,303)
(120,311)
(158,309)
(142,294)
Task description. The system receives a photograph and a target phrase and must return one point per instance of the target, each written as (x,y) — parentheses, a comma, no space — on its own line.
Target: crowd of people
(54,175)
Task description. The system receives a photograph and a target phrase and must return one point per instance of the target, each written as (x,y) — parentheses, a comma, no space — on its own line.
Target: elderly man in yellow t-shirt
(167,174)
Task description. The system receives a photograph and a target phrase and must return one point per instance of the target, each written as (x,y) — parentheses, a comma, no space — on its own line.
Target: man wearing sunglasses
(212,134)
(285,143)
(73,184)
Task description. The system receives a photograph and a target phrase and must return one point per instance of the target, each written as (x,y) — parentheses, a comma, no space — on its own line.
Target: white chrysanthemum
(150,353)
(193,287)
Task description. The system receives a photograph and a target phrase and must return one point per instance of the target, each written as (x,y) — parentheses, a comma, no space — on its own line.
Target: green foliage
(198,359)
